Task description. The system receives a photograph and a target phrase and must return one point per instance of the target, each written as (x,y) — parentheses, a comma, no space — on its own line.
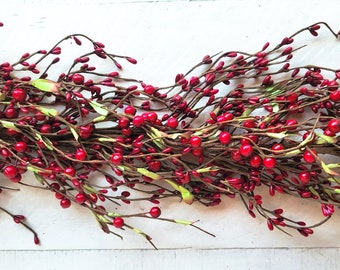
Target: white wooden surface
(166,37)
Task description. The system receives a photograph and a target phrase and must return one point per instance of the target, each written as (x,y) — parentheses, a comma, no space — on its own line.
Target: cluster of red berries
(198,140)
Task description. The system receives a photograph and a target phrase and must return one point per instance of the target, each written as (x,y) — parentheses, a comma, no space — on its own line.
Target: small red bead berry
(78,78)
(123,122)
(11,113)
(46,128)
(80,198)
(10,171)
(19,94)
(335,96)
(155,212)
(246,150)
(172,122)
(20,147)
(70,171)
(291,124)
(255,161)
(80,154)
(334,125)
(152,117)
(304,177)
(118,222)
(154,165)
(65,203)
(149,89)
(116,158)
(130,110)
(269,162)
(224,137)
(138,121)
(195,141)
(277,147)
(309,156)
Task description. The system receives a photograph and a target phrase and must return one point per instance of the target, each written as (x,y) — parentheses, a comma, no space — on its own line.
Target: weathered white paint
(166,37)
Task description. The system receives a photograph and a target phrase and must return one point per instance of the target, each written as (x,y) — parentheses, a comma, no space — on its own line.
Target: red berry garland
(198,140)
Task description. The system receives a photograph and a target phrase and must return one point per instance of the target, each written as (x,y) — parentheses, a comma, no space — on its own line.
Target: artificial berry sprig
(234,122)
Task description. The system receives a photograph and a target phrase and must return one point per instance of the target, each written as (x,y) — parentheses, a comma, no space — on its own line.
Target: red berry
(123,122)
(195,141)
(149,89)
(118,222)
(291,124)
(152,117)
(172,122)
(269,162)
(11,113)
(65,203)
(308,156)
(155,212)
(130,110)
(249,124)
(70,171)
(10,171)
(80,154)
(255,161)
(224,137)
(46,128)
(81,198)
(236,155)
(277,147)
(335,96)
(155,165)
(304,177)
(246,150)
(138,121)
(78,78)
(116,158)
(19,94)
(20,147)
(334,125)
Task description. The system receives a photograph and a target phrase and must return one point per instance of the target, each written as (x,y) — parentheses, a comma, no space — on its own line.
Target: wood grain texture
(166,37)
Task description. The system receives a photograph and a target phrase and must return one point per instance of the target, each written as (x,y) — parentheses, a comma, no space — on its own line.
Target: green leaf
(107,140)
(99,108)
(248,111)
(100,118)
(183,222)
(112,214)
(275,107)
(40,179)
(90,189)
(48,111)
(186,195)
(34,169)
(328,169)
(9,125)
(326,139)
(207,169)
(74,133)
(103,219)
(46,141)
(156,135)
(280,135)
(149,174)
(46,85)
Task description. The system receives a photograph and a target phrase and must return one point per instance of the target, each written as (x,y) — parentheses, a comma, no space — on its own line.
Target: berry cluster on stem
(247,120)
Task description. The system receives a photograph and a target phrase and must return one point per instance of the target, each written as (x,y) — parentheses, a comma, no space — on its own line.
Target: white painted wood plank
(169,259)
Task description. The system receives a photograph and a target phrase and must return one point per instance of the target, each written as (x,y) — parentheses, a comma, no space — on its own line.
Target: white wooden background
(166,37)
